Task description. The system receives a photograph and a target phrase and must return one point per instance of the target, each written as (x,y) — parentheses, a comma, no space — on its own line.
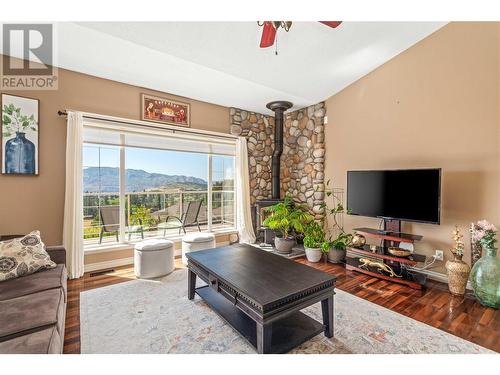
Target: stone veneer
(258,129)
(302,161)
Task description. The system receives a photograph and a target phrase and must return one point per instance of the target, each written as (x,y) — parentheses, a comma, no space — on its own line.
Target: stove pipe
(278,107)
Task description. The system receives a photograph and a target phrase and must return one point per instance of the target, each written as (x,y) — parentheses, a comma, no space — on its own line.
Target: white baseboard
(126,261)
(108,264)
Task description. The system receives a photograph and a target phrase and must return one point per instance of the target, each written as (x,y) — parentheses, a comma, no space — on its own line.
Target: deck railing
(153,207)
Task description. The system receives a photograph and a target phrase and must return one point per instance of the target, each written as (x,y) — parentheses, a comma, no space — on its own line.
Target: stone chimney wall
(303,159)
(302,162)
(258,129)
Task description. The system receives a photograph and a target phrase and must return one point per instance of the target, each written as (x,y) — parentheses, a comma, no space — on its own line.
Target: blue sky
(157,161)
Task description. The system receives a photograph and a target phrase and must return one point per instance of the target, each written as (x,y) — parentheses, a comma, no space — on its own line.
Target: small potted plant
(342,240)
(315,243)
(286,218)
(338,247)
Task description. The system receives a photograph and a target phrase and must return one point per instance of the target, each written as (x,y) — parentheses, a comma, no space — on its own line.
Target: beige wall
(29,202)
(435,105)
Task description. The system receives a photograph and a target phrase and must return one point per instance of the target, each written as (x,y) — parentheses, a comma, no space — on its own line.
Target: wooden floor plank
(463,317)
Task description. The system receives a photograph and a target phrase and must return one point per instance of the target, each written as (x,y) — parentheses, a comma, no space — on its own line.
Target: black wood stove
(265,234)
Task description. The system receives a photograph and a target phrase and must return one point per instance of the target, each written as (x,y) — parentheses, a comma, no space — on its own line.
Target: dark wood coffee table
(260,294)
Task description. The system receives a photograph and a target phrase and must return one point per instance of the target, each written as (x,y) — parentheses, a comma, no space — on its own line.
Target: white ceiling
(221,62)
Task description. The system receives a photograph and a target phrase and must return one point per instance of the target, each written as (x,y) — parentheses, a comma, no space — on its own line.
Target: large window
(133,192)
(223,194)
(100,191)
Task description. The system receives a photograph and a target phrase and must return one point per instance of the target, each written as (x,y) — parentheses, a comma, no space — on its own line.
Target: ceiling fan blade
(333,24)
(268,35)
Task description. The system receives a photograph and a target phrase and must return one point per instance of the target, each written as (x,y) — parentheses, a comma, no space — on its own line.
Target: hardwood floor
(463,317)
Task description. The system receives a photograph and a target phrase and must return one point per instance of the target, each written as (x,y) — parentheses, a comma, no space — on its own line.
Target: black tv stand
(400,273)
(381,231)
(389,237)
(391,226)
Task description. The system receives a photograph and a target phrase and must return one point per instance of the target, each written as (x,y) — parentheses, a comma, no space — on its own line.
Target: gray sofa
(33,309)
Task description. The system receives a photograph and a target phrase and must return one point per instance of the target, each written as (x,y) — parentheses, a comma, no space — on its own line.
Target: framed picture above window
(165,111)
(20,134)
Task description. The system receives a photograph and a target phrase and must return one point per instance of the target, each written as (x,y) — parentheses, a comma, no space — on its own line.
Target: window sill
(96,249)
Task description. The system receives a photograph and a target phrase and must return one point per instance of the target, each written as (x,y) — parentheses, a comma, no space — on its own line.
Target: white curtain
(73,198)
(244,215)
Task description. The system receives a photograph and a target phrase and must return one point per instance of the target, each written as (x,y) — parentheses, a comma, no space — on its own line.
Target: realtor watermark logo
(28,57)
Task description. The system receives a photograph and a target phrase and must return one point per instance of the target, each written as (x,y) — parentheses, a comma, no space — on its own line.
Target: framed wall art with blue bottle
(20,135)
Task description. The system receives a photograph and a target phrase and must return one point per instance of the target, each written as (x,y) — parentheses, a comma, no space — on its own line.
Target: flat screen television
(409,195)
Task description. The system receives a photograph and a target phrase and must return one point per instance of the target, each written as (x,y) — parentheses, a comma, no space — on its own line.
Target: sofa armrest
(57,254)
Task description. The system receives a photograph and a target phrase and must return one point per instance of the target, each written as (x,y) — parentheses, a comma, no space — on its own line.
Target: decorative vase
(20,155)
(336,255)
(284,245)
(458,274)
(313,254)
(358,240)
(485,279)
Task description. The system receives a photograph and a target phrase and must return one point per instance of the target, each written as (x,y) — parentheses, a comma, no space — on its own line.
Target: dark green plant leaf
(7,109)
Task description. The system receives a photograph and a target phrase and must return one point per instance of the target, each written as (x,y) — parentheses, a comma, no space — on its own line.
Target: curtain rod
(125,121)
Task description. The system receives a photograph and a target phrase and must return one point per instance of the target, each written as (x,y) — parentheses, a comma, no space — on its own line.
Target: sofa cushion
(57,254)
(23,256)
(36,282)
(30,313)
(46,341)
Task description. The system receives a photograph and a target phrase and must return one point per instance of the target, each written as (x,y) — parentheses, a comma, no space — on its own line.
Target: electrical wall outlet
(439,255)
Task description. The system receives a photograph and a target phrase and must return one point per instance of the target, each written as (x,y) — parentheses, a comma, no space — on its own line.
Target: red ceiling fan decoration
(268,35)
(269,29)
(333,24)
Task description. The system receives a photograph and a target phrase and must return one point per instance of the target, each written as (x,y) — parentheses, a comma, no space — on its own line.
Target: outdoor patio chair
(188,219)
(110,219)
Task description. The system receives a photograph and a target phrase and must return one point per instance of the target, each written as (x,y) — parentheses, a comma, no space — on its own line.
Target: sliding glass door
(133,192)
(223,191)
(101,194)
(160,186)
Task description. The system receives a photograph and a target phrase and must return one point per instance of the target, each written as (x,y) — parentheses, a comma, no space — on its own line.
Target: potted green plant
(315,243)
(341,240)
(286,217)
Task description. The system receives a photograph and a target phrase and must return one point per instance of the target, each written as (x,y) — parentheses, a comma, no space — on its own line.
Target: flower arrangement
(459,243)
(483,233)
(14,121)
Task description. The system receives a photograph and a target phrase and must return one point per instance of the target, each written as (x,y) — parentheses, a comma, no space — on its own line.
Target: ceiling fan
(270,28)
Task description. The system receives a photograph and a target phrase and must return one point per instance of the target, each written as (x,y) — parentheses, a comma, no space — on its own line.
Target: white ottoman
(196,242)
(153,258)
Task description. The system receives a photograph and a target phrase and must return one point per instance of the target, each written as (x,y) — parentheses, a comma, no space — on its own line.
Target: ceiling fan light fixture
(286,25)
(270,28)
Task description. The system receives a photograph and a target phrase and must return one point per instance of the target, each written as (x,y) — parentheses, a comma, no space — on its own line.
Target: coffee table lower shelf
(287,333)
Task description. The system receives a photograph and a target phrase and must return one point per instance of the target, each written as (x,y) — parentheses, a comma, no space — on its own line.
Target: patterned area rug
(155,316)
